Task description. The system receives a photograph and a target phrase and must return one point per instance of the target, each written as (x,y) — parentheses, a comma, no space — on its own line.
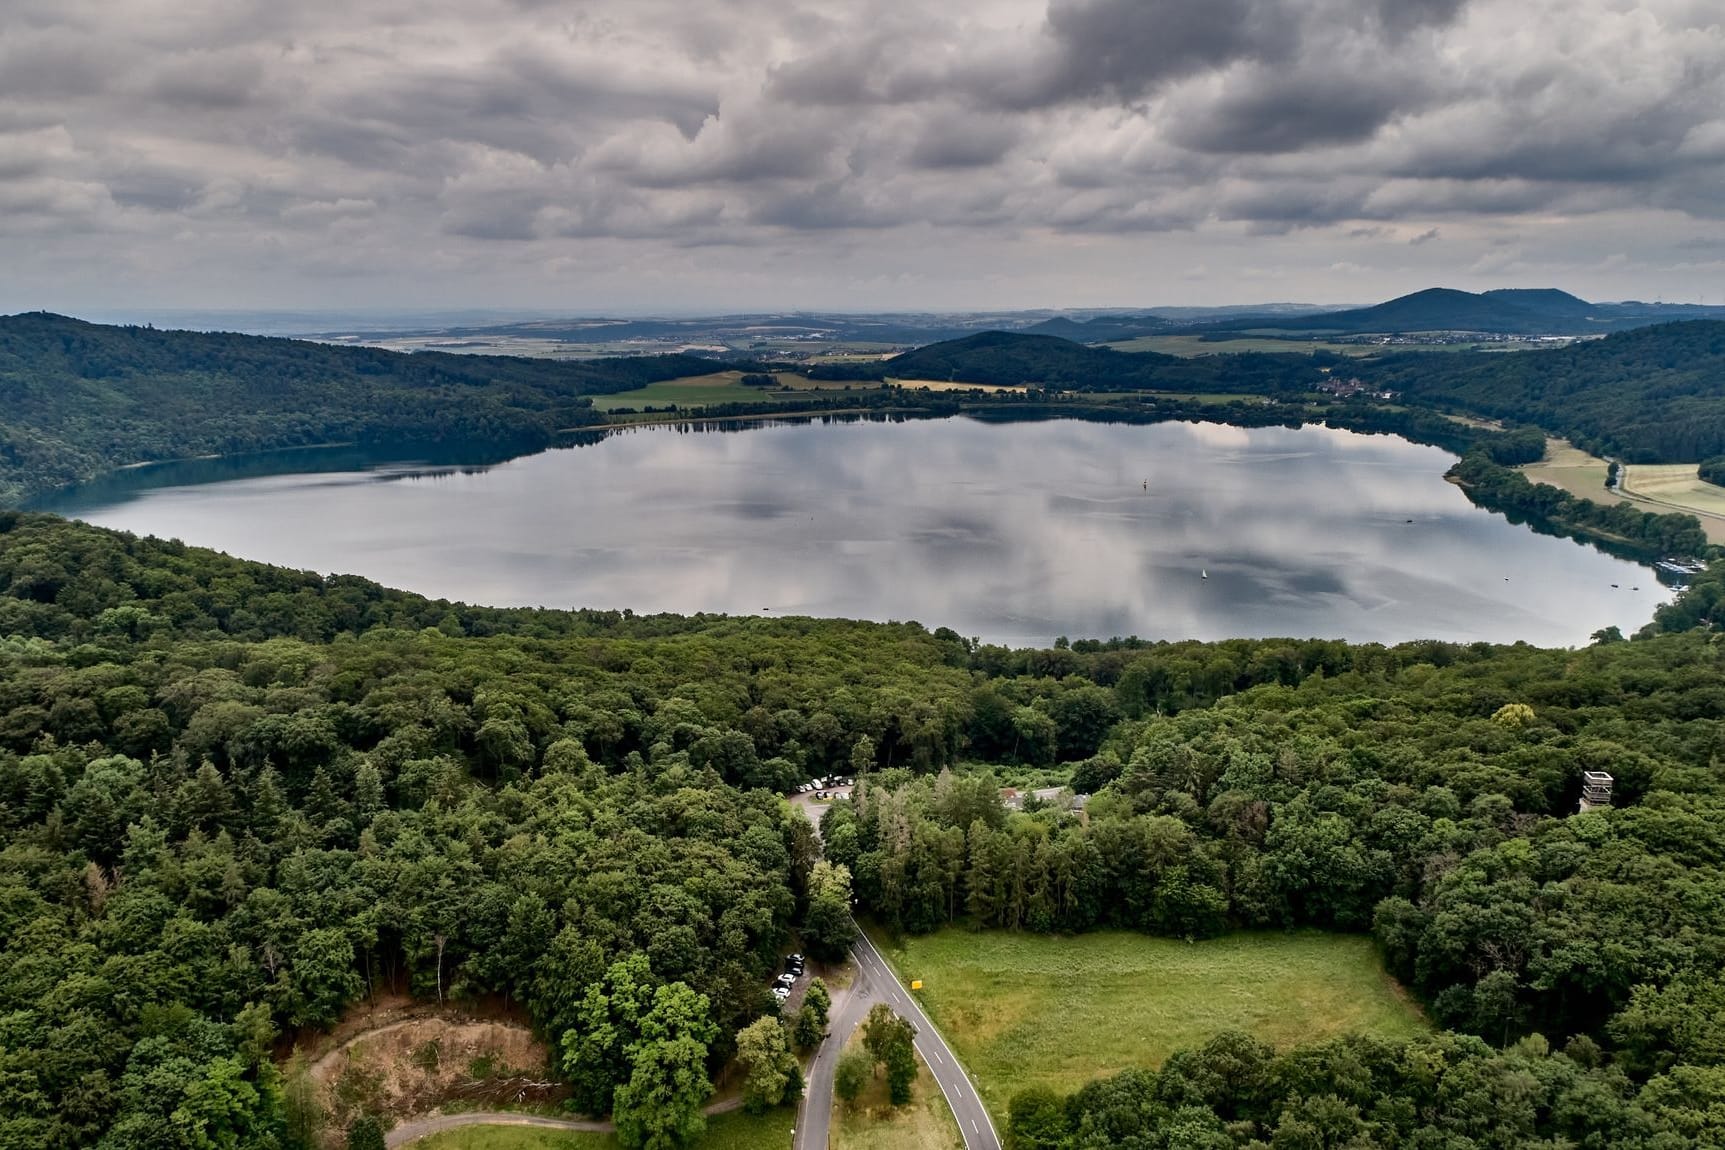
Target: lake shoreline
(1019,530)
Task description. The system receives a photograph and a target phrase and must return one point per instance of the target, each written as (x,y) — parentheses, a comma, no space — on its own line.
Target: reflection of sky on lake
(1015,532)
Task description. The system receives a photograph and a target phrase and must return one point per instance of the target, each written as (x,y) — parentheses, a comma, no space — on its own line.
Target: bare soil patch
(428,1062)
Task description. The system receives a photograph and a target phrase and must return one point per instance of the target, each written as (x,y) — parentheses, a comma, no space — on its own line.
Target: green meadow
(1024,1010)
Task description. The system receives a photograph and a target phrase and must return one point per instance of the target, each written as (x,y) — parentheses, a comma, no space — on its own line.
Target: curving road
(875,982)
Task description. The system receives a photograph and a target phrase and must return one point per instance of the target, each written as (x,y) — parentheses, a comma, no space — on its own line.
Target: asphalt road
(875,982)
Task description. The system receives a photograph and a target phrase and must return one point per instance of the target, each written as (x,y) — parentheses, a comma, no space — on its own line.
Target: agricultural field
(1214,398)
(1033,1010)
(949,385)
(1676,486)
(1658,487)
(1572,469)
(695,390)
(873,1123)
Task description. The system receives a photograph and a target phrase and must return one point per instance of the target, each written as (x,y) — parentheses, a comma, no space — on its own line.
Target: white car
(781,993)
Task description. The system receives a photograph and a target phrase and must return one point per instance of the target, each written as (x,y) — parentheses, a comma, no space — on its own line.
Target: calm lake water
(1015,533)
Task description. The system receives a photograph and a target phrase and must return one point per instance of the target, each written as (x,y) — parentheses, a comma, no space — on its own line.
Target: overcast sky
(642,155)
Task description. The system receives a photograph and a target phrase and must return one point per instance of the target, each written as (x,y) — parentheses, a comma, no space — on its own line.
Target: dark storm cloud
(961,141)
(1284,111)
(426,135)
(1127,48)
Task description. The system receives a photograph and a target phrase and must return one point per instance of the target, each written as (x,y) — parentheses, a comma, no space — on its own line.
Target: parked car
(781,992)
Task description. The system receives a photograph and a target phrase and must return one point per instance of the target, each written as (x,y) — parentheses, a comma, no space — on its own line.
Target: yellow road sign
(916,984)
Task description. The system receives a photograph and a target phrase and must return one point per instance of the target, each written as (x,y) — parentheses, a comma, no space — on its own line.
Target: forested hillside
(81,399)
(1009,359)
(1652,395)
(1508,311)
(78,399)
(234,798)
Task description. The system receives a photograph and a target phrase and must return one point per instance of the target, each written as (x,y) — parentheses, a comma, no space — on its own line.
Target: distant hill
(78,399)
(1505,311)
(1013,358)
(1161,320)
(1651,394)
(1101,329)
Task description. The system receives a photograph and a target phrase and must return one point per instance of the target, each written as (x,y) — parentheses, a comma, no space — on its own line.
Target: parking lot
(812,807)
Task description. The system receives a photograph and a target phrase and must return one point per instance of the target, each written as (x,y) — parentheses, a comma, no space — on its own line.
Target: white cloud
(652,153)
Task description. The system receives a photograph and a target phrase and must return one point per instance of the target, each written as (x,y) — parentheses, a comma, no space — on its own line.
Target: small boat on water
(1203,574)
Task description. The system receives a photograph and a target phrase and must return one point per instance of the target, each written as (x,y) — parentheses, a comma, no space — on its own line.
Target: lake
(1015,533)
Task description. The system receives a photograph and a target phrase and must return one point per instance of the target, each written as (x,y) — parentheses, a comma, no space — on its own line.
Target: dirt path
(320,1069)
(425,1127)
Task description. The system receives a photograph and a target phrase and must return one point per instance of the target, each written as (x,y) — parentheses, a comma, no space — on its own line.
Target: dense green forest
(1652,395)
(1445,1092)
(80,399)
(1651,533)
(235,798)
(1009,359)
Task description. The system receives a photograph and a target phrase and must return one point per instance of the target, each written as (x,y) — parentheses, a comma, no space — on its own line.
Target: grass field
(719,387)
(872,1123)
(1488,424)
(949,385)
(1660,487)
(1572,469)
(1676,485)
(735,1131)
(1210,397)
(1025,1010)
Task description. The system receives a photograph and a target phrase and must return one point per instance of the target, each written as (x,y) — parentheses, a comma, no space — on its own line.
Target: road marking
(937,1056)
(974,1126)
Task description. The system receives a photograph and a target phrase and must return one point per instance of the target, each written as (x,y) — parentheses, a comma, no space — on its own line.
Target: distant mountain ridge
(1502,311)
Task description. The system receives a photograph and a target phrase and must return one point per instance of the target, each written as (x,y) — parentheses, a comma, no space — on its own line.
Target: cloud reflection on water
(1014,532)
